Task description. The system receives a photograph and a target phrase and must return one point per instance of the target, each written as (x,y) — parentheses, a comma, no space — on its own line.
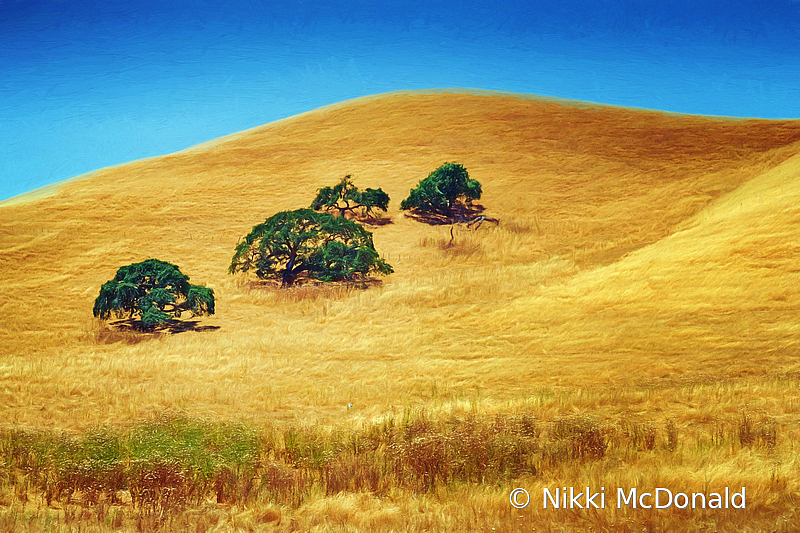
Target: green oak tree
(152,292)
(345,197)
(304,242)
(442,191)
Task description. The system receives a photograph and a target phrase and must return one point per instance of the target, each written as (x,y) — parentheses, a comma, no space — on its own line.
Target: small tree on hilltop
(154,291)
(442,191)
(344,197)
(319,245)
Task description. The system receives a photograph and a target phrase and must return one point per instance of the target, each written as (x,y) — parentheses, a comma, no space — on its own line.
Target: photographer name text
(658,498)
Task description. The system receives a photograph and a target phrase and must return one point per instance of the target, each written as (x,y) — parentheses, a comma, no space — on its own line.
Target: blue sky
(88,84)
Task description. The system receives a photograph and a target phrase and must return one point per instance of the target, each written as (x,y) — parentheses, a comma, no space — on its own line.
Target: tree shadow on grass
(370,220)
(305,288)
(179,326)
(375,221)
(460,213)
(131,331)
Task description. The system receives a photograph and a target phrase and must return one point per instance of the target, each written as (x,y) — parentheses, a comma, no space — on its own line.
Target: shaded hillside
(718,295)
(576,187)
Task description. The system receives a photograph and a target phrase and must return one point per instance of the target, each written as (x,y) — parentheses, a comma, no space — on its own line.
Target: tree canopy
(152,291)
(345,197)
(304,242)
(443,189)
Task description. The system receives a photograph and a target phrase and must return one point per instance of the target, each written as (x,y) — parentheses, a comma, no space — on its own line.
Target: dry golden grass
(645,268)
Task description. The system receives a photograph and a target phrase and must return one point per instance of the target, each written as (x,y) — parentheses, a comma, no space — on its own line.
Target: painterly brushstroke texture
(90,84)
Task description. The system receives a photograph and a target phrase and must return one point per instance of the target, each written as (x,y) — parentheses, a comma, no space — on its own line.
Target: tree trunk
(289,274)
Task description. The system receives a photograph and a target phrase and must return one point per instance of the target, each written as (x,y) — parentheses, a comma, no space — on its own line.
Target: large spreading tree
(152,292)
(345,197)
(443,191)
(303,242)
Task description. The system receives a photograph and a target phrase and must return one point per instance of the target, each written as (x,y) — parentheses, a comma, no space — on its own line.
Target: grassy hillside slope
(645,265)
(575,189)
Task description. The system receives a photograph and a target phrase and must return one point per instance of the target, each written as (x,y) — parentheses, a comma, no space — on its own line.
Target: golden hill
(635,248)
(638,298)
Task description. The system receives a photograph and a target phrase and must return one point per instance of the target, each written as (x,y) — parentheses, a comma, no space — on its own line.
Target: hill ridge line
(52,189)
